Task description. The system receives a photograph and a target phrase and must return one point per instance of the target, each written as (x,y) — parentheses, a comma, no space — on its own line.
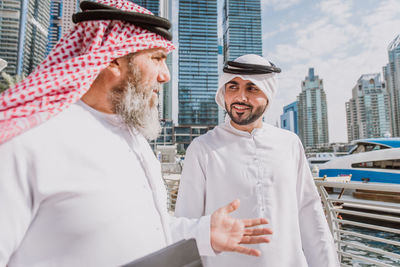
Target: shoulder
(58,127)
(204,143)
(279,132)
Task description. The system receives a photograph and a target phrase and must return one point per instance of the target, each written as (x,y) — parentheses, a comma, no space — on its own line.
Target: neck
(97,97)
(248,127)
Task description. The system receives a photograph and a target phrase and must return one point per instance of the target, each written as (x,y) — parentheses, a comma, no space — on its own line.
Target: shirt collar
(232,129)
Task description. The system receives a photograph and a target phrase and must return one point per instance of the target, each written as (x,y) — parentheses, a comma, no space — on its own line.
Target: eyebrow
(232,82)
(236,83)
(161,54)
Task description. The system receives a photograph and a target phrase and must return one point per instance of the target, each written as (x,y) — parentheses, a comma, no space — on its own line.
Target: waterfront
(373,244)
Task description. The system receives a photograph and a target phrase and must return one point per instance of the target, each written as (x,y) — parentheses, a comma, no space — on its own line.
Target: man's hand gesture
(228,233)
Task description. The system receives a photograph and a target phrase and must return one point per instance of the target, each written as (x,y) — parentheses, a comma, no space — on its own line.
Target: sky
(340,39)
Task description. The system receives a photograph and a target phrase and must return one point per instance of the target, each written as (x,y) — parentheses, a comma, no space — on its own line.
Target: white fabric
(81,190)
(267,170)
(266,82)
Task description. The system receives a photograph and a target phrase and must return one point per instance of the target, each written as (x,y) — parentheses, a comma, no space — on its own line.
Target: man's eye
(252,88)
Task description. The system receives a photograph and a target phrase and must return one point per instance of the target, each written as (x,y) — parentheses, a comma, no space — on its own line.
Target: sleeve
(317,241)
(15,200)
(190,203)
(192,187)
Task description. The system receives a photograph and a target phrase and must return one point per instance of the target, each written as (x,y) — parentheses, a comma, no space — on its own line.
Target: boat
(319,158)
(370,160)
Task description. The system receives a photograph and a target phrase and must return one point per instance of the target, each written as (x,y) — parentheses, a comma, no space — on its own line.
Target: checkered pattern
(70,69)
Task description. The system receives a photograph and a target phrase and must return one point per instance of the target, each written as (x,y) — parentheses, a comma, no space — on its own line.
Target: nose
(163,74)
(241,95)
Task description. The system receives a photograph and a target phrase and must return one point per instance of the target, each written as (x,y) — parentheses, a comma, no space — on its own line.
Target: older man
(264,166)
(79,184)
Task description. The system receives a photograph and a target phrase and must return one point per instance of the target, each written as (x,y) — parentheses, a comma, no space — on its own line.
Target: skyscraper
(152,5)
(69,8)
(367,111)
(392,77)
(242,28)
(166,12)
(23,34)
(55,24)
(289,117)
(313,115)
(9,33)
(198,62)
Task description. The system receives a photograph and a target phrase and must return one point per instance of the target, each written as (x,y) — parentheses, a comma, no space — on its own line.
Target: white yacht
(371,160)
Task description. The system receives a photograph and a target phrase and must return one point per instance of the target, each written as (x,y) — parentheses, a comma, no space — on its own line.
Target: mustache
(241,103)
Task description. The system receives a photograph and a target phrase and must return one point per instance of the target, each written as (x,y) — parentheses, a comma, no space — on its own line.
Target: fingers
(254,240)
(257,231)
(247,251)
(231,206)
(254,222)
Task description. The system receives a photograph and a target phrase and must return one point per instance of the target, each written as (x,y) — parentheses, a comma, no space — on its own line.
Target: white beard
(133,102)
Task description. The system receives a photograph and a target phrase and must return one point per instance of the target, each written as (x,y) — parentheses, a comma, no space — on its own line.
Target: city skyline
(340,39)
(368,111)
(343,40)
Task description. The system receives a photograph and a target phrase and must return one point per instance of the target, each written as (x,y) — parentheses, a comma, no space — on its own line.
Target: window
(379,164)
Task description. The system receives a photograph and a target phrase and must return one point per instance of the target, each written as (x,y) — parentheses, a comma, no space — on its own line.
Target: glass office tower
(198,62)
(312,112)
(242,28)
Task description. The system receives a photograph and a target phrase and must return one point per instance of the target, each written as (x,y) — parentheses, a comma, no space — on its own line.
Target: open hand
(228,233)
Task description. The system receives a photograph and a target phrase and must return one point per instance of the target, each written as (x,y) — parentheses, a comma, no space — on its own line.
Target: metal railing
(172,187)
(360,240)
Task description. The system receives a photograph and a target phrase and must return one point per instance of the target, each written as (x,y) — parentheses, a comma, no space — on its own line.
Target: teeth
(240,107)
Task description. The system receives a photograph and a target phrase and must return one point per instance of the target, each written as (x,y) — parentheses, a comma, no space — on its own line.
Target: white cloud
(279,4)
(338,10)
(341,47)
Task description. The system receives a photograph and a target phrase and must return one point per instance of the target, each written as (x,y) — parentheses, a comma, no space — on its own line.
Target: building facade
(368,112)
(289,118)
(312,112)
(23,34)
(55,27)
(242,28)
(152,5)
(392,78)
(198,62)
(69,7)
(10,13)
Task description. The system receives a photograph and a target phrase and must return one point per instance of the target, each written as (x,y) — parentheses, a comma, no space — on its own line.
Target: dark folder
(181,254)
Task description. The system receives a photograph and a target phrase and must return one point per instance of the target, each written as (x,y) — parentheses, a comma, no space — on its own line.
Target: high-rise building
(367,111)
(289,117)
(198,62)
(69,8)
(55,24)
(166,12)
(10,13)
(392,77)
(313,115)
(152,5)
(242,28)
(23,34)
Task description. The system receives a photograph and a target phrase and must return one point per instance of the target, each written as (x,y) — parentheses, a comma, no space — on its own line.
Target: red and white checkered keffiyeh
(70,69)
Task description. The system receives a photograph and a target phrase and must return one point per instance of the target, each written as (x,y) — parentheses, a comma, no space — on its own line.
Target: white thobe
(83,190)
(267,170)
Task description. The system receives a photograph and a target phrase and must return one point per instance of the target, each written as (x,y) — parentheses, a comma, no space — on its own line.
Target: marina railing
(172,186)
(366,232)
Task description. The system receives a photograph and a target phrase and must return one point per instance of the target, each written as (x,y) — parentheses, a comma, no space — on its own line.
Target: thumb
(234,205)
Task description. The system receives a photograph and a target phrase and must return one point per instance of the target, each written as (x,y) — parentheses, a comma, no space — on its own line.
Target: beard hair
(253,116)
(133,102)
